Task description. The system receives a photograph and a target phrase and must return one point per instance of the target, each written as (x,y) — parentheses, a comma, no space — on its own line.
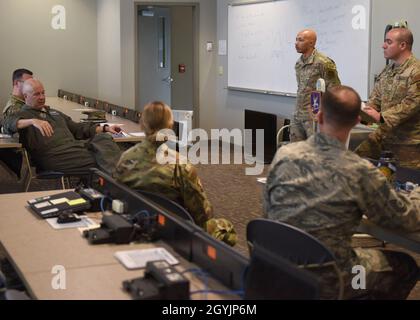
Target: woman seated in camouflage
(139,169)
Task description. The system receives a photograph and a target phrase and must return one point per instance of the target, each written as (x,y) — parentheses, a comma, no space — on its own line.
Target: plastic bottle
(388,165)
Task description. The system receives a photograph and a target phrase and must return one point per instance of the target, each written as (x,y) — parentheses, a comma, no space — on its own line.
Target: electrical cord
(204,276)
(103,202)
(206,291)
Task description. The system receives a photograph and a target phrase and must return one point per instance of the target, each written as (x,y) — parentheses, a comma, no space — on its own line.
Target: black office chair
(271,277)
(168,204)
(12,160)
(292,244)
(64,177)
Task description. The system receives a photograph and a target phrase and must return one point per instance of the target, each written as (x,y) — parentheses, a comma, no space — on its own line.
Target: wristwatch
(104,127)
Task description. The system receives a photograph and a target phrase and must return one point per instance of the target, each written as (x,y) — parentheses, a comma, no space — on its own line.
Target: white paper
(137,134)
(222,47)
(120,134)
(137,259)
(112,124)
(262,180)
(42,205)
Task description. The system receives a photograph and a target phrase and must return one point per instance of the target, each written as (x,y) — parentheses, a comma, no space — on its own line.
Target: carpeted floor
(233,195)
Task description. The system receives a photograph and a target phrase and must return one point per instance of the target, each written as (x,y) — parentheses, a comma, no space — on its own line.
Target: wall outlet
(114,112)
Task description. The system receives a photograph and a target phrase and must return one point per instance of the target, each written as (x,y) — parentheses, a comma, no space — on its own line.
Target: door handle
(168,79)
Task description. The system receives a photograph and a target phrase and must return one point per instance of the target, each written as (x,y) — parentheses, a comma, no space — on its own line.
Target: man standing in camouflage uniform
(320,187)
(310,67)
(55,142)
(139,169)
(395,103)
(16,101)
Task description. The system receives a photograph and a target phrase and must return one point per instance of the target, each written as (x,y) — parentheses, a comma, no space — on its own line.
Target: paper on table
(137,134)
(262,180)
(136,259)
(84,223)
(121,134)
(112,124)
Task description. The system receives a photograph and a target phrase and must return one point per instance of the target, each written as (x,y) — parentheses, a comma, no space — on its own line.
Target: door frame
(196,53)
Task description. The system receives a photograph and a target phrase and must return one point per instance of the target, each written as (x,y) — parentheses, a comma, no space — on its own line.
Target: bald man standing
(310,67)
(395,103)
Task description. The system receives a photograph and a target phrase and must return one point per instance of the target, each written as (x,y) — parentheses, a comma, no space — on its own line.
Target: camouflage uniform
(308,71)
(318,186)
(14,105)
(397,97)
(65,151)
(138,168)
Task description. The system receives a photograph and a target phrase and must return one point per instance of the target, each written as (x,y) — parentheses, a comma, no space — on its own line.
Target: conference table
(91,271)
(10,143)
(75,111)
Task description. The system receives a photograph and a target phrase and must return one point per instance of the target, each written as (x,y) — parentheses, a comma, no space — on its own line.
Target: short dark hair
(341,105)
(405,35)
(18,74)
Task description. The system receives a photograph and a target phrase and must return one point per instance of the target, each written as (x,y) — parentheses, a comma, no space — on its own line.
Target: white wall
(109,50)
(228,111)
(387,12)
(64,59)
(230,108)
(125,57)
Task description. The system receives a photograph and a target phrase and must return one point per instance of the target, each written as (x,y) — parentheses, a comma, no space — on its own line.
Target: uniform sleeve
(375,100)
(10,121)
(408,107)
(80,131)
(330,74)
(192,192)
(399,113)
(386,207)
(127,168)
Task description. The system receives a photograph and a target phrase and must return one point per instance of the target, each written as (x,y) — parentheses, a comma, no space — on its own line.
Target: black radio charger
(160,282)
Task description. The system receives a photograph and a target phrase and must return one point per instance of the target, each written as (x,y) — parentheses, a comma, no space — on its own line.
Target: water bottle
(388,165)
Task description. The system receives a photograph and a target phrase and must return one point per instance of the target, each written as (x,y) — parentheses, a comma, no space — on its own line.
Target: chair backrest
(289,242)
(12,159)
(270,277)
(168,204)
(292,244)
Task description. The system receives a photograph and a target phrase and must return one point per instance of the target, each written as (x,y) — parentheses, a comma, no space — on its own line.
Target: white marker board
(261,42)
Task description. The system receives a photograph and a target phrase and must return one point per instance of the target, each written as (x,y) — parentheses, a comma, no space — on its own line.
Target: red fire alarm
(182,68)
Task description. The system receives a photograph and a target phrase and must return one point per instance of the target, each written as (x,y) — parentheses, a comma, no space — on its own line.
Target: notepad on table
(137,134)
(137,259)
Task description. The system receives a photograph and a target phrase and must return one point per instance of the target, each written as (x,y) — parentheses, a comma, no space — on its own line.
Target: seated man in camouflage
(324,189)
(55,142)
(139,169)
(16,101)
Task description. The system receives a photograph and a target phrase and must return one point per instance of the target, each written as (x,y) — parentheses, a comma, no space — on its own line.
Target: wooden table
(10,143)
(74,111)
(92,272)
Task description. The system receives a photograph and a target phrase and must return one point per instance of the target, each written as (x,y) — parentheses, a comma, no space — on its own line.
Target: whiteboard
(261,42)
